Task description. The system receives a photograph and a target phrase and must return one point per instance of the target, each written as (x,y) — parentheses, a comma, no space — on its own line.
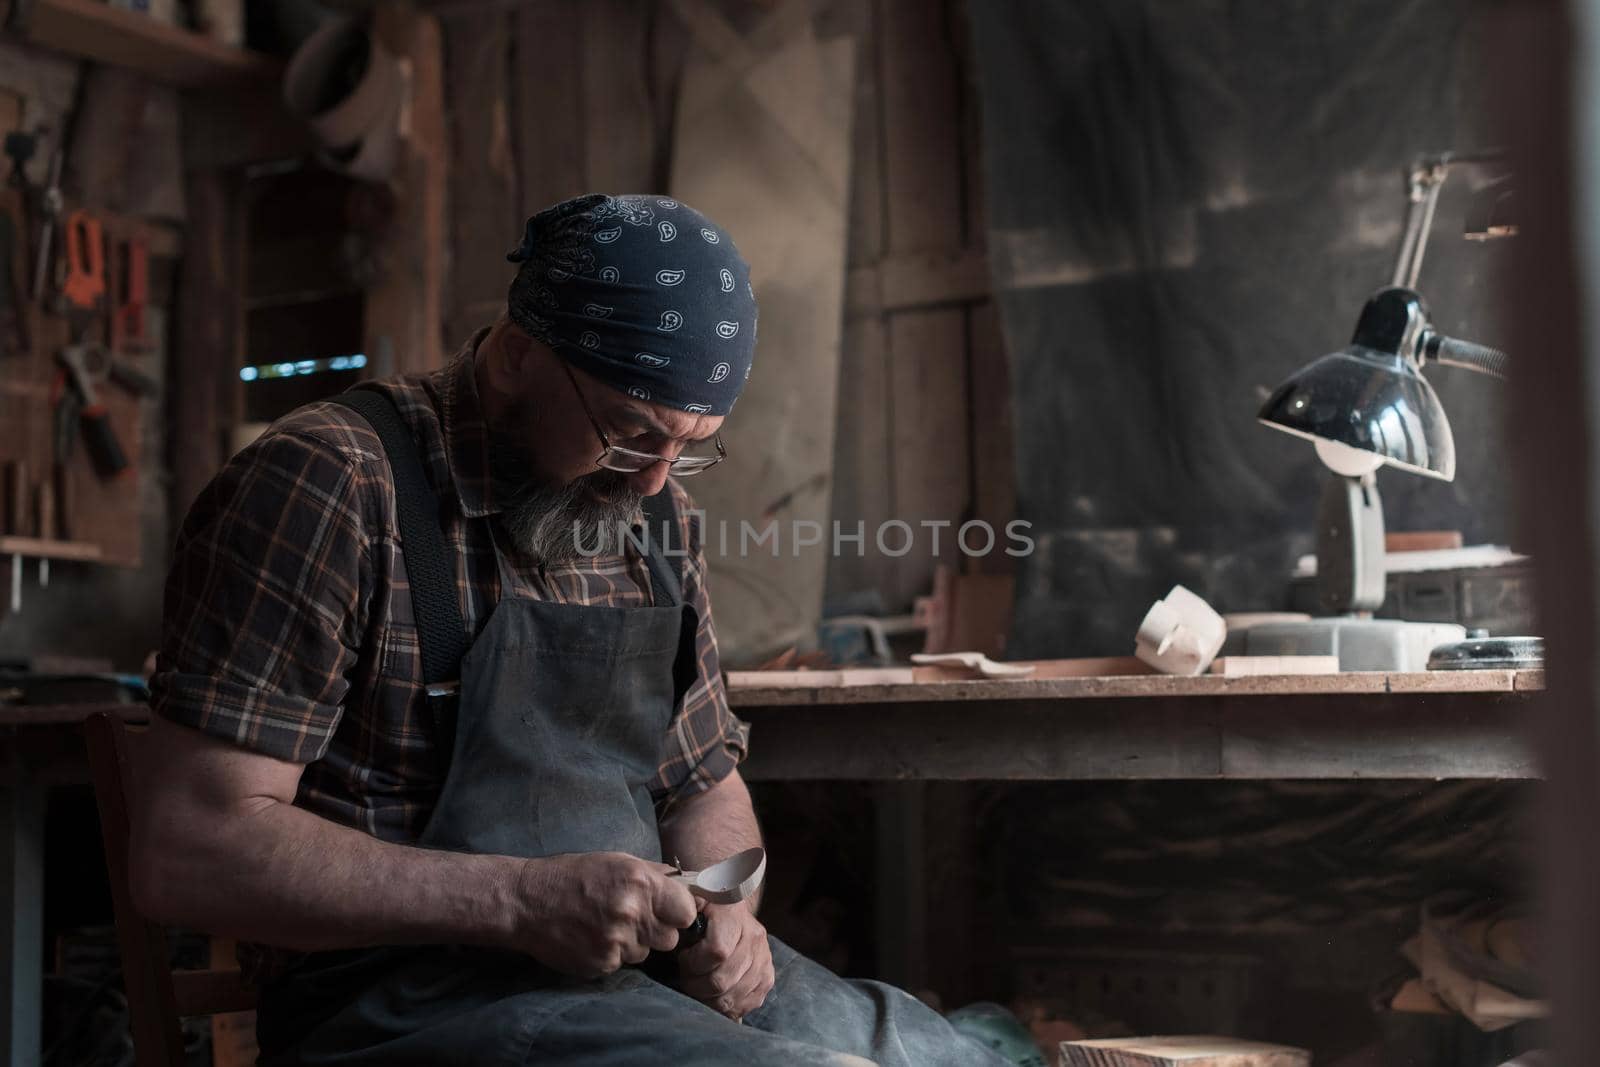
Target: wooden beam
(1464,735)
(619,150)
(929,437)
(485,212)
(205,360)
(1540,57)
(551,136)
(918,280)
(46,548)
(994,455)
(405,309)
(921,129)
(94,30)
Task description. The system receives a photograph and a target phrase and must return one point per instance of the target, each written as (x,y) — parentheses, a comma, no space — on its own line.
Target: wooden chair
(157,995)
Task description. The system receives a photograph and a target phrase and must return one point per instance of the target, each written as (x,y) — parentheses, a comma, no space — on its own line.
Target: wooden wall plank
(928,391)
(485,209)
(994,467)
(1553,413)
(405,310)
(551,139)
(922,162)
(205,361)
(863,459)
(862,487)
(858,20)
(927,349)
(619,154)
(974,217)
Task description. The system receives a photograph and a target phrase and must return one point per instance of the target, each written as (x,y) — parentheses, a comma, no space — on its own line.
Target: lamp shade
(1371,401)
(1369,398)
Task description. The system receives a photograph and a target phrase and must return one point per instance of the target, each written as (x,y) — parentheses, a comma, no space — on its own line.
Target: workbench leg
(21,922)
(902,897)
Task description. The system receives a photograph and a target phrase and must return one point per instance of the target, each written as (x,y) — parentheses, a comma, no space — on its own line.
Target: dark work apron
(556,734)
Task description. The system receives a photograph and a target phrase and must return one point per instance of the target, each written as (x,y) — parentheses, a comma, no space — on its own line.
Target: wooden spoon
(730,881)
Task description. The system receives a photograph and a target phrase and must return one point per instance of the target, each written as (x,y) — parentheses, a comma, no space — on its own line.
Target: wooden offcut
(1261,666)
(1186,1051)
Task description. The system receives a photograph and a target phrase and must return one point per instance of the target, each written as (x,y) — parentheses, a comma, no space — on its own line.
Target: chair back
(157,996)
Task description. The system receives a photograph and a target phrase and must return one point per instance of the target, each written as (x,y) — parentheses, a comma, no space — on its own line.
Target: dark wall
(1187,201)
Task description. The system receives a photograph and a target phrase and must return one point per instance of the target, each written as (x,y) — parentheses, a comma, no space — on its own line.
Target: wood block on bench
(1186,1051)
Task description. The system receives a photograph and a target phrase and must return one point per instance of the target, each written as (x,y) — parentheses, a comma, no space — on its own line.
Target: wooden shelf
(94,30)
(40,548)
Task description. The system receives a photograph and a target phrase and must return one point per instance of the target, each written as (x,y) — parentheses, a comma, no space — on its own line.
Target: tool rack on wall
(56,504)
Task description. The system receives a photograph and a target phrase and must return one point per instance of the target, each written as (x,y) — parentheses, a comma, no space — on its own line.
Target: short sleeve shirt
(288,627)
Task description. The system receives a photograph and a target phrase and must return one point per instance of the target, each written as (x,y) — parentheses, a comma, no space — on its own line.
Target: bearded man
(425,730)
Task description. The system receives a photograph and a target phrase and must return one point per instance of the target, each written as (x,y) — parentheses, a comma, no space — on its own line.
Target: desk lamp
(1364,407)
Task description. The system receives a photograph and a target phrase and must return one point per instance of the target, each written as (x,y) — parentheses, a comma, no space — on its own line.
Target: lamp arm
(1449,352)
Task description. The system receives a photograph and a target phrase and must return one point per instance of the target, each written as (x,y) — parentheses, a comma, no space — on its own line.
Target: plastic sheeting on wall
(1187,201)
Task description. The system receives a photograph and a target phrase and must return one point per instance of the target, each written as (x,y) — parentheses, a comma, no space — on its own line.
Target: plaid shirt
(288,625)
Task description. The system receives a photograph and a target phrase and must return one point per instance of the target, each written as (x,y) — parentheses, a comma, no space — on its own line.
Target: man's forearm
(706,827)
(279,874)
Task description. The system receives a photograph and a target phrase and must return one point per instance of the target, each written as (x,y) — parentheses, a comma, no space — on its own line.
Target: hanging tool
(17,486)
(20,146)
(104,449)
(84,287)
(13,299)
(127,316)
(64,399)
(102,363)
(51,201)
(50,204)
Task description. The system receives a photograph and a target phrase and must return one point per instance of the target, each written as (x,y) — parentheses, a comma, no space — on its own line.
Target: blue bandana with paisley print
(644,293)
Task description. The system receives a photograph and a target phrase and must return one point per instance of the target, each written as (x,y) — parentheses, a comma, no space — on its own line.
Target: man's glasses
(627,461)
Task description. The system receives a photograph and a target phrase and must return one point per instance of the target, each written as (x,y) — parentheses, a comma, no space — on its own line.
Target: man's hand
(588,913)
(731,969)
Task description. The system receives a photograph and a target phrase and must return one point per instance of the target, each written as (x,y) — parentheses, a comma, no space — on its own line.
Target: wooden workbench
(1441,724)
(852,725)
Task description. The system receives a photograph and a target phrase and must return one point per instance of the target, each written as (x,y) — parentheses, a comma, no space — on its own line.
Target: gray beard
(554,524)
(561,525)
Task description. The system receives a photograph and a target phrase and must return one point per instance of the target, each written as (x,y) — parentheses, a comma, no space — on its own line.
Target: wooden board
(485,202)
(767,154)
(39,548)
(922,145)
(97,31)
(1257,666)
(550,125)
(1189,1051)
(206,358)
(619,147)
(931,467)
(994,473)
(1060,680)
(404,309)
(862,500)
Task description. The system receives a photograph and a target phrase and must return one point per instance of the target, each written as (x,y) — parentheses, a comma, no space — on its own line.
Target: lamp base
(1362,644)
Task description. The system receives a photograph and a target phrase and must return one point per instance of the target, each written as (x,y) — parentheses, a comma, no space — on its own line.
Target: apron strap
(435,603)
(661,516)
